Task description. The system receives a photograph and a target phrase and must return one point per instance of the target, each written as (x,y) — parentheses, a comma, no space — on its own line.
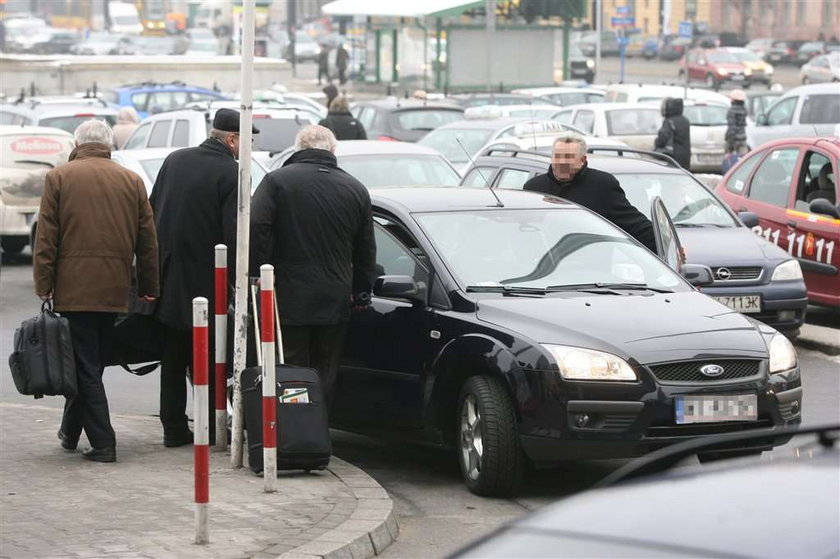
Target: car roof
(484,123)
(608,106)
(537,91)
(374,147)
(14,130)
(397,104)
(458,198)
(180,113)
(810,89)
(75,111)
(829,143)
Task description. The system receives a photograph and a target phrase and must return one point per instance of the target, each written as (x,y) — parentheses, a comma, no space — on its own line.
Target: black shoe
(66,442)
(181,438)
(107,454)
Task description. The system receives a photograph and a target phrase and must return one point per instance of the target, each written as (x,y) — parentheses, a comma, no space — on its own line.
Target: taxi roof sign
(545,127)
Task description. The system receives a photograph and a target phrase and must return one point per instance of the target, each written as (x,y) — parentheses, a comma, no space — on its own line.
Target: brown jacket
(94,218)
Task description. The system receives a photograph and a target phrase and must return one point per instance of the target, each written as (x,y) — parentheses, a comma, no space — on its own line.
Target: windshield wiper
(512,289)
(606,287)
(688,225)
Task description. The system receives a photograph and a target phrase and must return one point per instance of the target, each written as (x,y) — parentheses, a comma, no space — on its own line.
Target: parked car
(640,93)
(605,521)
(797,209)
(533,111)
(821,69)
(758,102)
(152,97)
(564,96)
(376,164)
(761,71)
(706,41)
(103,43)
(27,153)
(468,100)
(405,120)
(23,32)
(306,48)
(650,48)
(783,52)
(715,67)
(58,112)
(519,328)
(808,110)
(674,48)
(760,46)
(635,125)
(750,274)
(708,135)
(51,40)
(609,43)
(808,51)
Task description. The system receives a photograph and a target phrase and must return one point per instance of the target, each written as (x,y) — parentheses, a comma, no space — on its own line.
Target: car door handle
(792,224)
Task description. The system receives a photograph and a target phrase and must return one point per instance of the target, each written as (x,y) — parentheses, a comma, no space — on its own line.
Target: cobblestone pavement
(53,503)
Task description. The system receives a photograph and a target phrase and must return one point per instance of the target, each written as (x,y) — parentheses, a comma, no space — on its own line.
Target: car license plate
(775,57)
(741,303)
(710,409)
(737,78)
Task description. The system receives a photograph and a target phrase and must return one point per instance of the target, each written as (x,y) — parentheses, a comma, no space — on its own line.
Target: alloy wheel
(471,436)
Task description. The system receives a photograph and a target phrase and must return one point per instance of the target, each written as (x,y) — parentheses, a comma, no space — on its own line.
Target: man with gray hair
(313,223)
(570,177)
(94,220)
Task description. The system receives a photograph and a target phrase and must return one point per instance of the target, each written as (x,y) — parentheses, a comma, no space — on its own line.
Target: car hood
(647,328)
(731,67)
(734,246)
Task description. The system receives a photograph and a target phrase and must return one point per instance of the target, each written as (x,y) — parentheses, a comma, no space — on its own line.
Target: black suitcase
(42,362)
(303,435)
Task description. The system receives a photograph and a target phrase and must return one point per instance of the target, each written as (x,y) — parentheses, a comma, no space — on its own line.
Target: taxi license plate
(711,409)
(737,78)
(742,303)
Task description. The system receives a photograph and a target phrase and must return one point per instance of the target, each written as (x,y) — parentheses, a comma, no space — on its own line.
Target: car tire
(485,414)
(13,245)
(712,83)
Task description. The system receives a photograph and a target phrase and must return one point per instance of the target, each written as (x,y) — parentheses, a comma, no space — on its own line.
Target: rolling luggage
(303,435)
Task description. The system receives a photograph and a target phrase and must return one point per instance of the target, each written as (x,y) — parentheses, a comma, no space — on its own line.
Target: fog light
(794,407)
(581,420)
(787,315)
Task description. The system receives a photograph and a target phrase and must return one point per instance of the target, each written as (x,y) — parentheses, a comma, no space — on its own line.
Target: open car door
(668,245)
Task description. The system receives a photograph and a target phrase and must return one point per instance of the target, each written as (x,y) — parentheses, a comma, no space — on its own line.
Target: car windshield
(540,248)
(706,115)
(687,202)
(71,122)
(746,56)
(394,169)
(633,122)
(426,119)
(721,57)
(446,142)
(276,134)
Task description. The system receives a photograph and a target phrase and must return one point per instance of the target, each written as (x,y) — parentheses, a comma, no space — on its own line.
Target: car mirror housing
(396,287)
(823,206)
(749,219)
(697,275)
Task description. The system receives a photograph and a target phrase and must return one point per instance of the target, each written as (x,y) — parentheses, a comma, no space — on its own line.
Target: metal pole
(599,16)
(269,385)
(201,402)
(220,305)
(240,321)
(490,8)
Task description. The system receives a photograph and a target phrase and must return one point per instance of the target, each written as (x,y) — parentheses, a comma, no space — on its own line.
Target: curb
(370,529)
(815,345)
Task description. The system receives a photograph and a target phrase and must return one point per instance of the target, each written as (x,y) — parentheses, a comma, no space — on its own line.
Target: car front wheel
(711,82)
(489,451)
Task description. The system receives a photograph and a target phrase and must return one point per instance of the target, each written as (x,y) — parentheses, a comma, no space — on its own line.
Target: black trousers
(175,369)
(342,75)
(91,333)
(323,71)
(318,347)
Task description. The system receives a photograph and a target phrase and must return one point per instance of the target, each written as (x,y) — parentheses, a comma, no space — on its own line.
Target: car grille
(725,273)
(689,371)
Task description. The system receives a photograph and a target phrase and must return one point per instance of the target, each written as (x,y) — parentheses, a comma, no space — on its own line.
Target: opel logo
(711,370)
(724,273)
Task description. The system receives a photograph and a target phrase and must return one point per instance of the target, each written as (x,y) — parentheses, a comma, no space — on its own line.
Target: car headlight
(576,363)
(747,72)
(590,63)
(768,69)
(789,270)
(782,354)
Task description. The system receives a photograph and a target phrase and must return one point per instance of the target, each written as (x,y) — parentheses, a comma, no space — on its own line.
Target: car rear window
(447,142)
(276,134)
(633,122)
(426,119)
(71,122)
(699,115)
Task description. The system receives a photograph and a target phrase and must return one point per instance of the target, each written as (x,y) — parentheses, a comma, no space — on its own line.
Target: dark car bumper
(606,422)
(783,304)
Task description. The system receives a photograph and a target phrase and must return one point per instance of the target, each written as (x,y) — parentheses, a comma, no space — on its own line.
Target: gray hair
(570,137)
(220,134)
(315,136)
(94,131)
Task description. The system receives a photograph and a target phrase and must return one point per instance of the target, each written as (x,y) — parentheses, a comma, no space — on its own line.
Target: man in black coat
(313,223)
(194,201)
(674,136)
(341,121)
(571,178)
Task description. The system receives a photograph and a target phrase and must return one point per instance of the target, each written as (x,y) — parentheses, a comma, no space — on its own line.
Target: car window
(365,116)
(585,120)
(567,99)
(394,259)
(564,117)
(449,142)
(202,96)
(512,178)
(821,109)
(478,176)
(181,134)
(138,139)
(69,123)
(688,203)
(810,185)
(782,112)
(425,119)
(594,98)
(706,115)
(738,180)
(139,100)
(160,134)
(633,122)
(771,182)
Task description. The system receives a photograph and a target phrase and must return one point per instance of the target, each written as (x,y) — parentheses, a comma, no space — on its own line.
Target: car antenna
(533,123)
(472,162)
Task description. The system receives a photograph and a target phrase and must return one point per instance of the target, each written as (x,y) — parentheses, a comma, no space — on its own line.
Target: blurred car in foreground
(791,186)
(807,110)
(404,120)
(821,69)
(726,507)
(376,164)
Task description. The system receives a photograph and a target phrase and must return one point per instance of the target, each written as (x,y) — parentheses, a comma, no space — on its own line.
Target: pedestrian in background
(127,122)
(674,137)
(342,123)
(313,223)
(331,91)
(194,201)
(324,64)
(342,58)
(736,123)
(94,220)
(569,176)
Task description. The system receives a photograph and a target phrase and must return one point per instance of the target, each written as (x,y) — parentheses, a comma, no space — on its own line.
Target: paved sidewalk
(54,503)
(820,338)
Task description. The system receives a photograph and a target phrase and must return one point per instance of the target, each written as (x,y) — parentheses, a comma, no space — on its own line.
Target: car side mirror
(396,287)
(697,275)
(749,219)
(823,206)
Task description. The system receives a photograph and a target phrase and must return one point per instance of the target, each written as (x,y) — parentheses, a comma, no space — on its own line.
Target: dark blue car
(152,98)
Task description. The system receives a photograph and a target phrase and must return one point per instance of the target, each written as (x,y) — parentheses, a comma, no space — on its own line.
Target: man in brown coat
(94,219)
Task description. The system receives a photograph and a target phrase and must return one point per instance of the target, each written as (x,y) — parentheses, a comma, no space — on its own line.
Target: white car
(821,69)
(564,96)
(805,111)
(534,111)
(639,93)
(635,125)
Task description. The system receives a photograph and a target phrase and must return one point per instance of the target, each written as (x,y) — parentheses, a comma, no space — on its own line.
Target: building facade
(779,19)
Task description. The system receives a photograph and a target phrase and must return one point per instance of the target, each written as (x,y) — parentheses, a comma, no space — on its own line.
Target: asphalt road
(436,513)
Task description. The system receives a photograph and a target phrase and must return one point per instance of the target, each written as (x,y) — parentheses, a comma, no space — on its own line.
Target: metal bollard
(220,303)
(201,401)
(269,390)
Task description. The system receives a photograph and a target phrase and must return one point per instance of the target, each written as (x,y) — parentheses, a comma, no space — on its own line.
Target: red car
(715,67)
(790,193)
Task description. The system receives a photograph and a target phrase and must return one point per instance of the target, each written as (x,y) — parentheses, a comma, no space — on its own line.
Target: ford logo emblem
(711,370)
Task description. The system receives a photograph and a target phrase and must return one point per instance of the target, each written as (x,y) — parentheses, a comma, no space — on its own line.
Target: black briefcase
(303,435)
(42,361)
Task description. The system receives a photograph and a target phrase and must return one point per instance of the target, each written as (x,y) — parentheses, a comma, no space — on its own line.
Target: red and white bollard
(269,390)
(201,402)
(220,304)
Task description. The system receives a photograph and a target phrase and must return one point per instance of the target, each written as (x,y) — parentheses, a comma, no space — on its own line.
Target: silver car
(821,69)
(805,111)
